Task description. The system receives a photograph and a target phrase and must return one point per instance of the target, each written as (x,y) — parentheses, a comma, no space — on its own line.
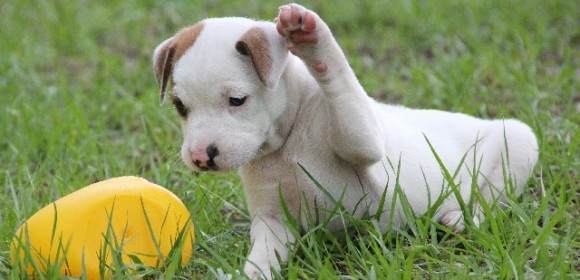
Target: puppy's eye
(234,101)
(181,109)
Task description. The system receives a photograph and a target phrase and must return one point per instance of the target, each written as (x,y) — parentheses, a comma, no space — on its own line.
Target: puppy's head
(222,75)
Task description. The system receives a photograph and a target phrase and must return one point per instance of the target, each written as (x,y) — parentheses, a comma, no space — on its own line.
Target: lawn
(79,104)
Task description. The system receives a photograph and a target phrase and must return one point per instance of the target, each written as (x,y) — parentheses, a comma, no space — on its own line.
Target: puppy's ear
(170,51)
(163,65)
(268,52)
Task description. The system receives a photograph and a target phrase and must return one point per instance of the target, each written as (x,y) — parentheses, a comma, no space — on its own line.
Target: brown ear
(254,43)
(169,52)
(163,65)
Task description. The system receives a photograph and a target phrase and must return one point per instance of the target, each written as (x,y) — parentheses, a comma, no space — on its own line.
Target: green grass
(79,104)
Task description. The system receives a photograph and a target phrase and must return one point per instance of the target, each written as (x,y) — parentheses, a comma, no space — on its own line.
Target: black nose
(212,152)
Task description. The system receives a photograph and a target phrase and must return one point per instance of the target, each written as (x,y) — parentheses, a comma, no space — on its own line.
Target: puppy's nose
(205,159)
(212,152)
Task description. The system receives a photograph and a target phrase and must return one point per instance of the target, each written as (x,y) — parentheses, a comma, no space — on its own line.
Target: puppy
(280,103)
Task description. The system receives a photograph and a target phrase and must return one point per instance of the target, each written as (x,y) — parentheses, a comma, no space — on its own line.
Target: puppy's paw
(302,28)
(298,24)
(453,220)
(258,272)
(255,273)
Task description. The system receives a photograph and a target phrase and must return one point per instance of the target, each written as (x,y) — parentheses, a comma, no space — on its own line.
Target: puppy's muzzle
(204,160)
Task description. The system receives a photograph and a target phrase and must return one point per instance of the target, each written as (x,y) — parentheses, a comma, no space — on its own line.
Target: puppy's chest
(312,177)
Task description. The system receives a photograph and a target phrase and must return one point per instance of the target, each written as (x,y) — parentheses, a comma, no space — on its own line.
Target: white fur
(353,146)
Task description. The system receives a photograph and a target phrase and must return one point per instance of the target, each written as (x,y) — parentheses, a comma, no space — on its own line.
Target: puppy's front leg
(353,128)
(269,238)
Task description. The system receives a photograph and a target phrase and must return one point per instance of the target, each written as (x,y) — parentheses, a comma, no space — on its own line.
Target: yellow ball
(87,227)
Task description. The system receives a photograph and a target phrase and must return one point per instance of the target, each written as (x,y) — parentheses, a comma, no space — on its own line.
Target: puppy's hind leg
(508,154)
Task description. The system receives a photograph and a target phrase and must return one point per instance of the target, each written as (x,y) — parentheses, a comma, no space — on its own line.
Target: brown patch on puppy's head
(170,51)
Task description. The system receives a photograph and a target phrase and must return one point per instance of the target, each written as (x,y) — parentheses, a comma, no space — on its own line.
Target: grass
(79,104)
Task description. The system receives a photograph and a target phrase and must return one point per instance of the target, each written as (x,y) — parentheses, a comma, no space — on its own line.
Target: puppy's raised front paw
(301,26)
(297,23)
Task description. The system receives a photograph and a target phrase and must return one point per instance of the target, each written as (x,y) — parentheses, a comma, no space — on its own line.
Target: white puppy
(280,103)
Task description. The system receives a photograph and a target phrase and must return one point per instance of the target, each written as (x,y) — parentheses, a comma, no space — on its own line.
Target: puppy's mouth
(206,166)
